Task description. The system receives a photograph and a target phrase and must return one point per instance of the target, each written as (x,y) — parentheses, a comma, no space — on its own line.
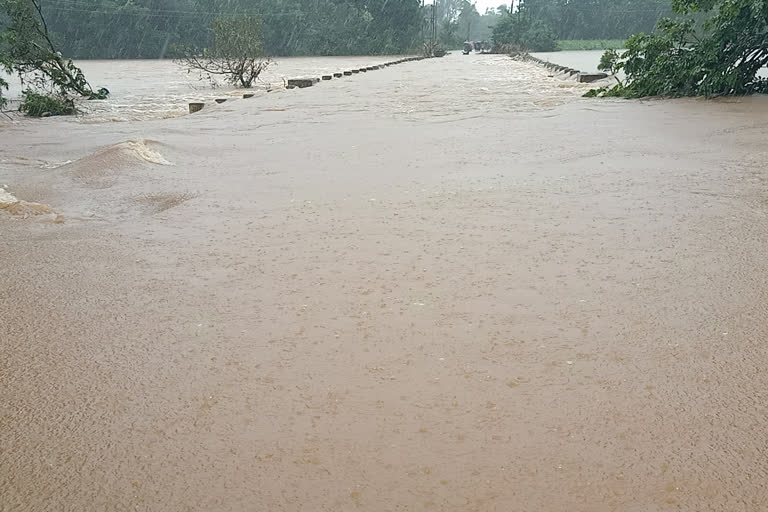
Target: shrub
(722,57)
(36,104)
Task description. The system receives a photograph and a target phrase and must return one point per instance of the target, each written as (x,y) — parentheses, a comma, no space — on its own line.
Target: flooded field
(452,284)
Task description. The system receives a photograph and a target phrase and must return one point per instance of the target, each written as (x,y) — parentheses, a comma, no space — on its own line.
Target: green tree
(29,52)
(149,28)
(523,30)
(722,57)
(468,21)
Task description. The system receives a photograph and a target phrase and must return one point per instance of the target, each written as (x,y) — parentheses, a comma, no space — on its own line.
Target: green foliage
(29,52)
(235,52)
(590,44)
(610,62)
(538,37)
(528,33)
(596,19)
(459,21)
(722,58)
(35,104)
(606,92)
(237,37)
(150,28)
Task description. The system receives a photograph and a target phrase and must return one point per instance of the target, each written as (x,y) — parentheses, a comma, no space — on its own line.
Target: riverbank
(448,285)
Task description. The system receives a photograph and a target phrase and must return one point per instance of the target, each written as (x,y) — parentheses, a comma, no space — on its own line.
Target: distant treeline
(153,28)
(116,29)
(597,19)
(538,24)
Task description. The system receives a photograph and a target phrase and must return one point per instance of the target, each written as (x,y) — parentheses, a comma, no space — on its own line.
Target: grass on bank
(590,44)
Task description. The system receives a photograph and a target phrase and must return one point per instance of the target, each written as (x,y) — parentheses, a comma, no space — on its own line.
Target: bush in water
(35,105)
(28,51)
(722,57)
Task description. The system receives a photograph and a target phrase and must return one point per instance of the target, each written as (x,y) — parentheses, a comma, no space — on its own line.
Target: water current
(450,285)
(152,89)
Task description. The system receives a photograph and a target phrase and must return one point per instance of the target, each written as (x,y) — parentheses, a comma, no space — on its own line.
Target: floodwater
(161,89)
(151,89)
(588,60)
(446,285)
(583,60)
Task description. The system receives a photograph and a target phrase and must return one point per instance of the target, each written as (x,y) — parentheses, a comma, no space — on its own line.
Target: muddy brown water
(446,285)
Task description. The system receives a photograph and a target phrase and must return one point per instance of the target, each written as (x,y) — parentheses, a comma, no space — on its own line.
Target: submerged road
(451,285)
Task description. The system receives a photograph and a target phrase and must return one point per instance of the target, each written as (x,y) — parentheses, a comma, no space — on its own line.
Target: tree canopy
(153,28)
(27,50)
(537,24)
(686,56)
(596,19)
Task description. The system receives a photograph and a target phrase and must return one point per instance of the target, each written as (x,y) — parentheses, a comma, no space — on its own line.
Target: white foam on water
(6,197)
(54,165)
(141,150)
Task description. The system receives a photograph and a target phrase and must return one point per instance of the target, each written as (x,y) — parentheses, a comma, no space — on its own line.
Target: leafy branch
(722,57)
(29,52)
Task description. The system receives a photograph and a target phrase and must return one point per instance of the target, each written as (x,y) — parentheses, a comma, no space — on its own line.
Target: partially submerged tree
(722,57)
(235,52)
(27,50)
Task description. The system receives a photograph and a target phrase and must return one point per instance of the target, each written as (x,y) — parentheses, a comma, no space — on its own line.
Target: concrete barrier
(557,68)
(195,107)
(591,77)
(302,82)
